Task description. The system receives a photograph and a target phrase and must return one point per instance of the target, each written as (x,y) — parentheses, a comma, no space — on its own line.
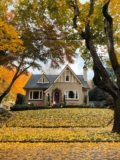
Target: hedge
(19,107)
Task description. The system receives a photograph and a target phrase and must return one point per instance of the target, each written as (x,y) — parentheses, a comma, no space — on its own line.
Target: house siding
(35,102)
(64,86)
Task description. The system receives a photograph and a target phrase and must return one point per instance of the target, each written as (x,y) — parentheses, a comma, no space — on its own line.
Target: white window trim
(41,80)
(35,91)
(73,91)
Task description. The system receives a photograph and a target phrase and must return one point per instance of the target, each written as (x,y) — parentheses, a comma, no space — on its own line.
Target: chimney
(85,73)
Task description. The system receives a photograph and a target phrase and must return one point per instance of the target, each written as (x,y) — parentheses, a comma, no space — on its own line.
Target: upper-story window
(67,78)
(67,75)
(43,79)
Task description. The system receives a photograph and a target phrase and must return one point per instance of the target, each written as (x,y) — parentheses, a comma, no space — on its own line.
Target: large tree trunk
(101,78)
(108,27)
(116,125)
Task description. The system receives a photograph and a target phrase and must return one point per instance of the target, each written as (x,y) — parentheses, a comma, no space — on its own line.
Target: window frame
(76,93)
(67,78)
(67,74)
(31,94)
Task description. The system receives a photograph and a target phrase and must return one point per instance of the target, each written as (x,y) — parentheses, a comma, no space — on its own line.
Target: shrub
(77,106)
(20,98)
(18,107)
(4,113)
(96,94)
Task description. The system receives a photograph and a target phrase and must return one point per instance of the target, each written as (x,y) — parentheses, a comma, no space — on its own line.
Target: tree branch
(76,12)
(108,23)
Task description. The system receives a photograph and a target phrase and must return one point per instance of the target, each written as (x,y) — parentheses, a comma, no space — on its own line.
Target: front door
(56,97)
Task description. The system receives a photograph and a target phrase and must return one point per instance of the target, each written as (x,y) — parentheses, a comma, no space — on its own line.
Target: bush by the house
(77,106)
(18,107)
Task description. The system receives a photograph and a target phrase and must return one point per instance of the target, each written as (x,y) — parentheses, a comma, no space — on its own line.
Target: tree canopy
(29,36)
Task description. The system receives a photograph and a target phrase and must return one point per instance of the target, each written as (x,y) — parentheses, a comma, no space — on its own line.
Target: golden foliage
(6,77)
(9,38)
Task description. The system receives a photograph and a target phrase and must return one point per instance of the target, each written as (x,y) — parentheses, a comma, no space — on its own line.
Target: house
(55,89)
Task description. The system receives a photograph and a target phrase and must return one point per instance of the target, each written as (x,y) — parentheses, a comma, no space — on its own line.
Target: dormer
(43,79)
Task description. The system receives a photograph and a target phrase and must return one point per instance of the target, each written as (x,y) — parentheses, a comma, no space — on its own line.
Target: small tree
(20,98)
(48,99)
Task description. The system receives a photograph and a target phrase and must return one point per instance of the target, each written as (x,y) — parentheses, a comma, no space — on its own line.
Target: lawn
(59,125)
(65,117)
(75,133)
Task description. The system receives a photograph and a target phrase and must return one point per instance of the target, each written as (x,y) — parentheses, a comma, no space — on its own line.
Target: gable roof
(32,83)
(67,66)
(84,83)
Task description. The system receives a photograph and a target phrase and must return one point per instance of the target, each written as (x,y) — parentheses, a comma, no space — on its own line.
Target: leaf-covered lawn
(57,134)
(61,125)
(60,151)
(74,117)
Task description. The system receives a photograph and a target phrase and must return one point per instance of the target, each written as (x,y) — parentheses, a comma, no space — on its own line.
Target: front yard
(75,131)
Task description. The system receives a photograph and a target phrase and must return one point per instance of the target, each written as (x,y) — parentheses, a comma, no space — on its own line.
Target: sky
(77,67)
(83,1)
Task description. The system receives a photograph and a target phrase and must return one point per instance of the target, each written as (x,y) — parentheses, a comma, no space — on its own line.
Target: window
(71,94)
(36,95)
(43,79)
(67,75)
(67,78)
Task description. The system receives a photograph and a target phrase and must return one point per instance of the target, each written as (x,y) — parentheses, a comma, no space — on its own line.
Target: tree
(101,77)
(96,94)
(96,24)
(5,79)
(10,47)
(41,37)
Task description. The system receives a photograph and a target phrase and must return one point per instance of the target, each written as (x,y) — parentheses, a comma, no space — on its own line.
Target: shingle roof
(32,82)
(84,83)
